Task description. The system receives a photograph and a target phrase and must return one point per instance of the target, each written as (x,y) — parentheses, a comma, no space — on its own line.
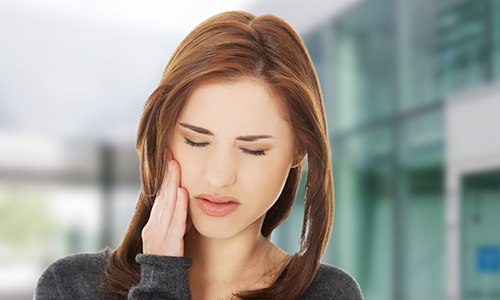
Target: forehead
(244,105)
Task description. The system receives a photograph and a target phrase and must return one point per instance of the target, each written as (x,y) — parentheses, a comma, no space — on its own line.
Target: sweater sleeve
(162,277)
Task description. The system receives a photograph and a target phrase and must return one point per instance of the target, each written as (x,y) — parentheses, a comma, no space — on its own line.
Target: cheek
(268,180)
(191,161)
(184,159)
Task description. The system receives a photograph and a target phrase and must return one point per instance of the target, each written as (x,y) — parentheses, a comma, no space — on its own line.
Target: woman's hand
(167,224)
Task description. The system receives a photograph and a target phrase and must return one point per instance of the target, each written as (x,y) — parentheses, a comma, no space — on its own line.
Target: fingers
(167,171)
(166,159)
(179,220)
(163,206)
(168,190)
(164,232)
(173,179)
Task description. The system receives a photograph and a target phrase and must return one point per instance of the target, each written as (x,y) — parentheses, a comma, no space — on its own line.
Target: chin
(214,230)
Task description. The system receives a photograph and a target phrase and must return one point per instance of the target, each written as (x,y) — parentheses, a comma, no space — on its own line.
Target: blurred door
(480,195)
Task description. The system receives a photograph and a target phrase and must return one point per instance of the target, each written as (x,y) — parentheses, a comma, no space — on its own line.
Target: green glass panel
(462,46)
(424,246)
(496,40)
(422,206)
(480,236)
(363,69)
(415,58)
(362,234)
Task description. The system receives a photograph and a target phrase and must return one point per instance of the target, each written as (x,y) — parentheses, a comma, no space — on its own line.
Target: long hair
(228,47)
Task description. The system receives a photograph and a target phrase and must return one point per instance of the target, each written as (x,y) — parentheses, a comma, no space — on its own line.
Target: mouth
(216,206)
(218,200)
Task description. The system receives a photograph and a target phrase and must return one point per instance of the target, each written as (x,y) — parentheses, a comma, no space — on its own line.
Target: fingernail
(169,166)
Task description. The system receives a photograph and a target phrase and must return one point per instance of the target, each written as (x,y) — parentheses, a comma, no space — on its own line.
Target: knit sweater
(79,276)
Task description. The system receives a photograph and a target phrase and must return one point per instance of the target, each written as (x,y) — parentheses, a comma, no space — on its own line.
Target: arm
(163,267)
(162,277)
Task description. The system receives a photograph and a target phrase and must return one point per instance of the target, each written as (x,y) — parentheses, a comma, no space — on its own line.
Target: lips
(220,200)
(216,206)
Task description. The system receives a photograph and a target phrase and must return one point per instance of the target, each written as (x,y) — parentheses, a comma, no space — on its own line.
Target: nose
(220,170)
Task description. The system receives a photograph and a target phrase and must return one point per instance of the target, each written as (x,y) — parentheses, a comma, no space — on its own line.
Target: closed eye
(193,144)
(246,151)
(254,152)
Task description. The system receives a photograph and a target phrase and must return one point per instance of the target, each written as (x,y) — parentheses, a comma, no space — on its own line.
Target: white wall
(472,134)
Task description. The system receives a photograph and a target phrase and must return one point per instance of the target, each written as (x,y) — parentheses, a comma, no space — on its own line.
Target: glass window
(462,50)
(422,206)
(363,69)
(414,57)
(423,243)
(480,238)
(496,39)
(362,233)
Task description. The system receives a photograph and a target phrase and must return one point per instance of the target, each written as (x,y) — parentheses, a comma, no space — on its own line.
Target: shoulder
(332,282)
(79,265)
(75,275)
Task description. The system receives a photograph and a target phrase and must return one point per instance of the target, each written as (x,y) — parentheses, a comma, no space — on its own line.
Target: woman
(222,141)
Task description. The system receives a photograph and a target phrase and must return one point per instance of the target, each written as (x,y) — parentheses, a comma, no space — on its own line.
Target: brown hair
(228,47)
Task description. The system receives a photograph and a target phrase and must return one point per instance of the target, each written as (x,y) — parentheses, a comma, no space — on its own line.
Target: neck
(226,261)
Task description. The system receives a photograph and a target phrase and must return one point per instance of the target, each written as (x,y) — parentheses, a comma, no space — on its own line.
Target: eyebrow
(245,138)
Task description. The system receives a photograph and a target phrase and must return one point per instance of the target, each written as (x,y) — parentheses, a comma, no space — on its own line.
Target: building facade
(406,85)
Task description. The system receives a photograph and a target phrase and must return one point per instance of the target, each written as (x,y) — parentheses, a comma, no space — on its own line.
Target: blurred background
(412,93)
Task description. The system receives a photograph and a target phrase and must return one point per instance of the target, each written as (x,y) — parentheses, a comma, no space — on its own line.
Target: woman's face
(231,140)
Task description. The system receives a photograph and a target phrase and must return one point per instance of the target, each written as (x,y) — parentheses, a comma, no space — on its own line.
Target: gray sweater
(79,276)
